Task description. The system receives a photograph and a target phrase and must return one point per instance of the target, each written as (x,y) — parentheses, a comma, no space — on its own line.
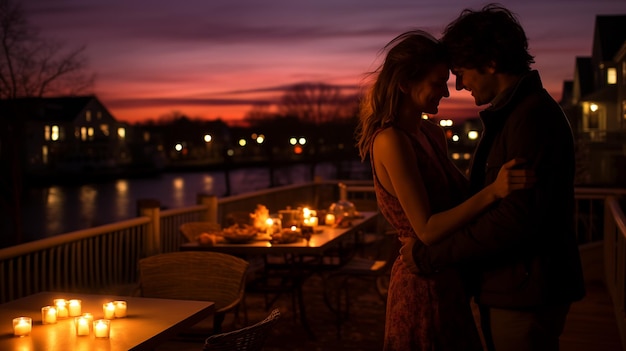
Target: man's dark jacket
(524,246)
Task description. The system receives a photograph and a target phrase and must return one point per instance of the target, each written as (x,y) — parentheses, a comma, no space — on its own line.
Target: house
(595,103)
(69,136)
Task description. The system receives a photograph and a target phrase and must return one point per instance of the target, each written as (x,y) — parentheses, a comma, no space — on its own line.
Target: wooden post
(152,241)
(211,202)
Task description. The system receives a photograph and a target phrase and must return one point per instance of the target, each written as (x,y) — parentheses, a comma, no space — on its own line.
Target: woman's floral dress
(427,312)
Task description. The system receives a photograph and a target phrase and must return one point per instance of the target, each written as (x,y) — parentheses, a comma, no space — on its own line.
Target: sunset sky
(217,58)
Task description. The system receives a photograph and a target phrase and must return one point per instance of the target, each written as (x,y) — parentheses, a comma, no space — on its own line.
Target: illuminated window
(83,133)
(611,75)
(44,154)
(46,133)
(105,129)
(121,133)
(88,115)
(99,114)
(54,136)
(90,133)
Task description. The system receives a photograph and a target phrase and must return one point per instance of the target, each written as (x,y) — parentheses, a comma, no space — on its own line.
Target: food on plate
(207,239)
(239,233)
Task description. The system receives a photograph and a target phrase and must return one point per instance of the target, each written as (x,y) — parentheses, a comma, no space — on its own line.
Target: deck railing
(104,258)
(615,260)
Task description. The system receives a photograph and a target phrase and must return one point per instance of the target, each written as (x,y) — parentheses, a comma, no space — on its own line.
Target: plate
(239,239)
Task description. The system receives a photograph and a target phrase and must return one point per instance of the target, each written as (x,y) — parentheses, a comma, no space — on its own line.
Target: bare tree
(316,102)
(30,66)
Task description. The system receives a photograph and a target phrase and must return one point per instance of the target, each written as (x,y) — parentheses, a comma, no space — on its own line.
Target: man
(524,247)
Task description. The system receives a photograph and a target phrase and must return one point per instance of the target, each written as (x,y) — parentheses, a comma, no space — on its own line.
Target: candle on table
(330,219)
(269,223)
(101,328)
(120,309)
(48,315)
(82,326)
(74,308)
(89,318)
(109,310)
(61,305)
(22,326)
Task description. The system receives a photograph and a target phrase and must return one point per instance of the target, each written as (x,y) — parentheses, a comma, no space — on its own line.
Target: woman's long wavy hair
(410,57)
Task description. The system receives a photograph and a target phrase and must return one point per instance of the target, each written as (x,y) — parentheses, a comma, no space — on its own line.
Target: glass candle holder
(82,326)
(120,309)
(330,219)
(22,326)
(102,328)
(61,305)
(74,308)
(89,318)
(48,315)
(108,310)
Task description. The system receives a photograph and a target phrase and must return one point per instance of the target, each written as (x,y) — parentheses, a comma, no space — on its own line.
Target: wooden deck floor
(590,326)
(591,323)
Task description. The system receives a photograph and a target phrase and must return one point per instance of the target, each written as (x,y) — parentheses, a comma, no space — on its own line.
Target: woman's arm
(396,168)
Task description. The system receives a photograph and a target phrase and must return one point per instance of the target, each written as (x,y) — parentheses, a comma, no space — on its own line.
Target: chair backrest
(191,230)
(194,275)
(250,338)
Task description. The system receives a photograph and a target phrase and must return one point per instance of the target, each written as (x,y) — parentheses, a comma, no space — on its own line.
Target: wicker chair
(195,275)
(250,338)
(191,230)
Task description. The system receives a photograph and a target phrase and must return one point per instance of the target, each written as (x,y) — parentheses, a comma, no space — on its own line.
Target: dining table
(305,256)
(147,323)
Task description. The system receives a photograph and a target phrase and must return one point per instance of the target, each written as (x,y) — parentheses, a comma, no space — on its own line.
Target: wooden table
(319,243)
(149,322)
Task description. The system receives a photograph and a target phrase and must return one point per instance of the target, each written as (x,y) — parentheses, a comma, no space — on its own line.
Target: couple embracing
(503,238)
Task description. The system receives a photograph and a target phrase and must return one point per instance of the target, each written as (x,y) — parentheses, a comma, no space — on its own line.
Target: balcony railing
(104,259)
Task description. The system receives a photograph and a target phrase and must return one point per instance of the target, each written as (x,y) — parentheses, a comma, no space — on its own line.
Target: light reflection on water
(55,210)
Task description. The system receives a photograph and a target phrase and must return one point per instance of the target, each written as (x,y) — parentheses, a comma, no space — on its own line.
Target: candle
(109,310)
(330,219)
(82,326)
(120,309)
(22,326)
(48,315)
(101,328)
(269,226)
(61,305)
(89,318)
(74,308)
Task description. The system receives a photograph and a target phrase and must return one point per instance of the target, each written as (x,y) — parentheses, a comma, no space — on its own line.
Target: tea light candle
(120,309)
(109,310)
(74,308)
(89,317)
(22,326)
(82,326)
(101,328)
(330,219)
(48,315)
(61,305)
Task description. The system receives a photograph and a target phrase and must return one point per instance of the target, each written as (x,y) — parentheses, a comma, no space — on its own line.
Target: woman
(420,192)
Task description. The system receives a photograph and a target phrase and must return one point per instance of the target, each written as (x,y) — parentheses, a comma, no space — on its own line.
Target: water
(49,211)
